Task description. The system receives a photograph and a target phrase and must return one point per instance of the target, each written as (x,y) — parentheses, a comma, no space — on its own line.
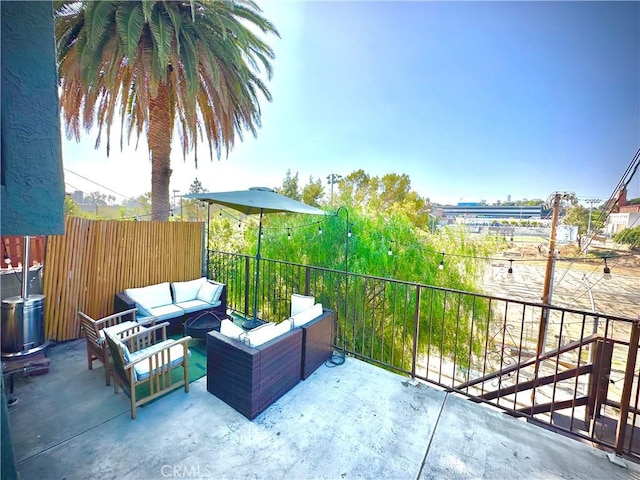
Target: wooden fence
(94,259)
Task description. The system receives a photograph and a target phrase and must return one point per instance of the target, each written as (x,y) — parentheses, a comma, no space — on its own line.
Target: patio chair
(148,359)
(93,331)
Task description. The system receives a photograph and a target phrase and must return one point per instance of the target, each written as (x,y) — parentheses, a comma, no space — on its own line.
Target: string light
(7,259)
(288,234)
(390,252)
(510,271)
(607,270)
(319,230)
(349,233)
(441,266)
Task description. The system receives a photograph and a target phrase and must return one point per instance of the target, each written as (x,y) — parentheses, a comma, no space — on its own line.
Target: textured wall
(32,183)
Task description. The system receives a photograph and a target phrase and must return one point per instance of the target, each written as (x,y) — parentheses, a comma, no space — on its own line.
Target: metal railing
(584,383)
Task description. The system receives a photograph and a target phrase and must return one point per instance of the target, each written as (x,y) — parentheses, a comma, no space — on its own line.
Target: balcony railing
(581,380)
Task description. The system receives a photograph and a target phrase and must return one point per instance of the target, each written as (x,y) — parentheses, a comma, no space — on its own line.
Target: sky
(472,100)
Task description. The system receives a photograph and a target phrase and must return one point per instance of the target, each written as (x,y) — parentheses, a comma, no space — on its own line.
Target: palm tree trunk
(159,140)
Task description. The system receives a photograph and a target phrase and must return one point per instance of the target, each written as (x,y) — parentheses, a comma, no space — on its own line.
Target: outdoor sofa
(251,370)
(174,302)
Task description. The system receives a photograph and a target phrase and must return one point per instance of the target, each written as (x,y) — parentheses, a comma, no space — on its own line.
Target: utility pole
(548,282)
(333,178)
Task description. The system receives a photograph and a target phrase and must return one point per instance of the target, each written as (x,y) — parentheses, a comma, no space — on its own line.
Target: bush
(628,236)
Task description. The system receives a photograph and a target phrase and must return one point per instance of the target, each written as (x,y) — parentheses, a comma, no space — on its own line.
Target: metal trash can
(22,325)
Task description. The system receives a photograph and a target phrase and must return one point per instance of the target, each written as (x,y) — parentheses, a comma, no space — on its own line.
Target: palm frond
(130,22)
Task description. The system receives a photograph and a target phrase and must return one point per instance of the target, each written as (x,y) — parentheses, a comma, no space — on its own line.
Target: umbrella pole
(253,323)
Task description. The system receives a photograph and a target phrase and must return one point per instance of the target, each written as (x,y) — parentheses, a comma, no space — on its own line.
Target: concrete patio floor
(350,421)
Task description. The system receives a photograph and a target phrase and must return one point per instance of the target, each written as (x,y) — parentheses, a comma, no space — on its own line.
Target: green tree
(313,192)
(159,65)
(628,236)
(578,216)
(192,209)
(290,186)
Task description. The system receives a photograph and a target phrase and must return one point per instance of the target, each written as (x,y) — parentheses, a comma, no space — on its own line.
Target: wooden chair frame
(96,346)
(159,379)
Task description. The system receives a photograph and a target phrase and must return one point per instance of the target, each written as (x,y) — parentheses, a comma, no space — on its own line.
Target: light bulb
(510,271)
(288,235)
(607,270)
(390,252)
(441,266)
(319,230)
(349,234)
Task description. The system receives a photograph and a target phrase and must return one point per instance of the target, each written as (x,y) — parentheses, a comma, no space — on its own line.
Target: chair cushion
(196,305)
(185,291)
(167,311)
(152,296)
(306,316)
(142,369)
(300,303)
(230,329)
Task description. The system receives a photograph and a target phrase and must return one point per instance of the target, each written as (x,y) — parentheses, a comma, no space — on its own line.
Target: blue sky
(472,100)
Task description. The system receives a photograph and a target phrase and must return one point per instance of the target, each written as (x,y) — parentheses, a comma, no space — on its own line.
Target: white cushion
(196,305)
(207,291)
(152,296)
(185,291)
(284,326)
(260,335)
(305,317)
(230,329)
(142,369)
(167,310)
(300,303)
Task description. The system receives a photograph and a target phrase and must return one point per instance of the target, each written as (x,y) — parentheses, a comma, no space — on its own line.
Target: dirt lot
(572,280)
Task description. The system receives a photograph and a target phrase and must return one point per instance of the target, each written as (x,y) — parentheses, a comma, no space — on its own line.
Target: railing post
(307,280)
(247,285)
(416,332)
(627,387)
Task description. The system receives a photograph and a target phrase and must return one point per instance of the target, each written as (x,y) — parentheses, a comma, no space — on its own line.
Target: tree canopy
(156,65)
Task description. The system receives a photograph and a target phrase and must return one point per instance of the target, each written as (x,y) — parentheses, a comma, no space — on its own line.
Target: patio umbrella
(256,200)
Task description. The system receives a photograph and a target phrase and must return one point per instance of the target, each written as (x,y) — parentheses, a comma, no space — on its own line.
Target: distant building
(619,221)
(485,213)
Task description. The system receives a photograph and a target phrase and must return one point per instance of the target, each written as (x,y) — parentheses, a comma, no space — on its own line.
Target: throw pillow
(300,303)
(207,292)
(230,329)
(185,291)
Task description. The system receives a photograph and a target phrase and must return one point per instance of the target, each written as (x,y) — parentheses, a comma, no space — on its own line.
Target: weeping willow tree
(393,263)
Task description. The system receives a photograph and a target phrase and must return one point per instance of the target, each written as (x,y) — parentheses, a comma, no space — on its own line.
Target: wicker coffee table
(198,327)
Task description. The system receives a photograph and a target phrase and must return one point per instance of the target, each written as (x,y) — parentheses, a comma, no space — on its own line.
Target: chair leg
(89,360)
(107,373)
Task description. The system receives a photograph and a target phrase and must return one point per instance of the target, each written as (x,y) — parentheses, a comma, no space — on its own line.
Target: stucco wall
(32,182)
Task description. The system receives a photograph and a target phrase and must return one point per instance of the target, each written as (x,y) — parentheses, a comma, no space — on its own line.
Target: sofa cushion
(306,316)
(260,335)
(230,329)
(209,292)
(152,296)
(196,305)
(300,303)
(165,312)
(185,291)
(284,326)
(143,310)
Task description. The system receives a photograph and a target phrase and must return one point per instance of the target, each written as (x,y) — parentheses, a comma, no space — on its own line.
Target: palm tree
(162,64)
